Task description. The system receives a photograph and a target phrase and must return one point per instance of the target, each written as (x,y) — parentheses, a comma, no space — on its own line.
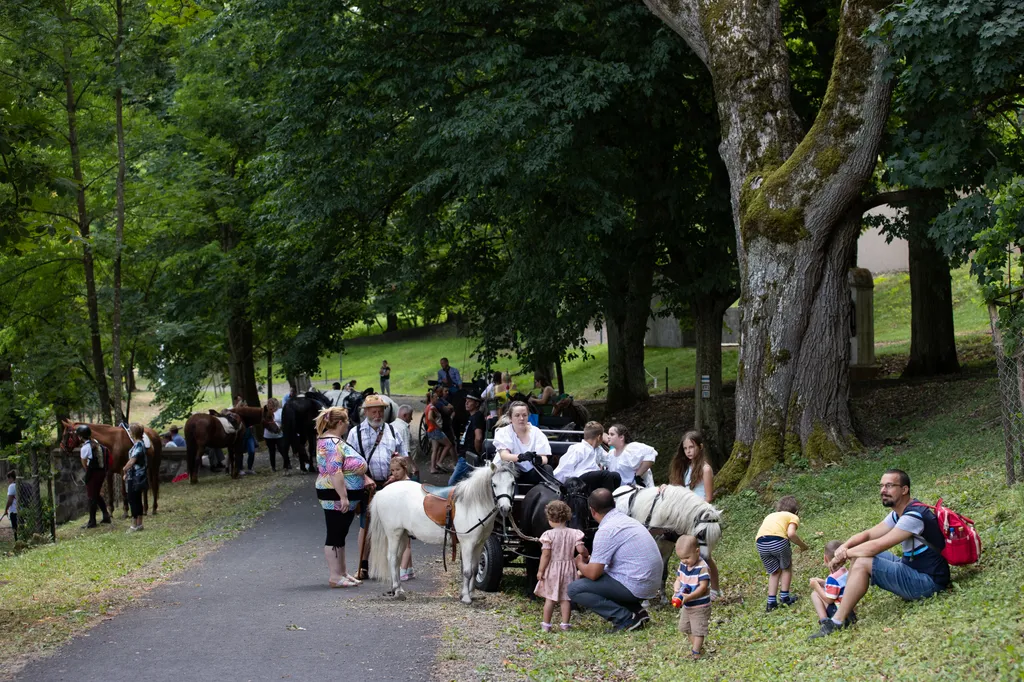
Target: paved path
(228,618)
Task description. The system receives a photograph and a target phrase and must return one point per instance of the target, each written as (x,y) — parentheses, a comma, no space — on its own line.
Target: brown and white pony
(205,430)
(119,443)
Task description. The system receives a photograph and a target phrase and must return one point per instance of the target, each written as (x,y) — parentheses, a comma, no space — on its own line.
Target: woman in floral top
(340,487)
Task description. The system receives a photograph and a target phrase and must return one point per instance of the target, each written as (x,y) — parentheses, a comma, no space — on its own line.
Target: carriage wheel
(488,571)
(423,444)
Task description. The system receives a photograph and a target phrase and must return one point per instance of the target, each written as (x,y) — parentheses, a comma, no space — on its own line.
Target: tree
(792,190)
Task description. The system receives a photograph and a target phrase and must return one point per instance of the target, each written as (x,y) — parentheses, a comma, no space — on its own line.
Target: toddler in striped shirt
(692,590)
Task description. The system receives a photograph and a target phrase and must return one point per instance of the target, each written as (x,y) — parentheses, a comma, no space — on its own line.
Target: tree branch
(684,17)
(898,198)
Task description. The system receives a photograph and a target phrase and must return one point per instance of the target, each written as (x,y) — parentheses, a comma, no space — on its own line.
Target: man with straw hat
(377,441)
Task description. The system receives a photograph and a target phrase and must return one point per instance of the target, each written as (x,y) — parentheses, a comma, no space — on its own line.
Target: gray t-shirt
(911,522)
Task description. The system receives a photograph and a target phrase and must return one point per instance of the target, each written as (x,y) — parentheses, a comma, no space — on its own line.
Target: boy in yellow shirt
(774,536)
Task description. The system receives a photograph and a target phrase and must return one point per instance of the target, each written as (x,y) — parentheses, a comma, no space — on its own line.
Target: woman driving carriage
(523,443)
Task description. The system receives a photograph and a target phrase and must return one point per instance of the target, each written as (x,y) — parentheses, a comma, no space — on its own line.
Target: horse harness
(664,533)
(439,506)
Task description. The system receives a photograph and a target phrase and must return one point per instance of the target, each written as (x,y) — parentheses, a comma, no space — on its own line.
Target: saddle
(439,504)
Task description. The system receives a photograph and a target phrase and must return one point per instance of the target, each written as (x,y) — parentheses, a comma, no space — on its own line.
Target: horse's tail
(376,534)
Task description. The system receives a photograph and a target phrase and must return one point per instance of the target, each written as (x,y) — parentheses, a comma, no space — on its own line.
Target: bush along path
(952,447)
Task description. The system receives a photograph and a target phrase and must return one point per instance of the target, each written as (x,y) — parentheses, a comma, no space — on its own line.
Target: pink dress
(561,569)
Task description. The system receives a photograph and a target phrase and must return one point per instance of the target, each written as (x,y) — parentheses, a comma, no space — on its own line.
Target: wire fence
(34,519)
(1011,392)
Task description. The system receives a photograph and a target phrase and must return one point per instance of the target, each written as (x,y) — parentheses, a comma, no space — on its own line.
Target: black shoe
(789,601)
(106,520)
(770,607)
(638,622)
(827,628)
(850,620)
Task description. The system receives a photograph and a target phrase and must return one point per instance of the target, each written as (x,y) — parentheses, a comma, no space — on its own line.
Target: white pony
(677,509)
(397,512)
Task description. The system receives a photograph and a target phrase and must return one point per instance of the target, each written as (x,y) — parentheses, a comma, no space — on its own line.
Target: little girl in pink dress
(557,568)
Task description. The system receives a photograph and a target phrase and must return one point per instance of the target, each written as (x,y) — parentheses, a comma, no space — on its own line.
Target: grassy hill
(950,442)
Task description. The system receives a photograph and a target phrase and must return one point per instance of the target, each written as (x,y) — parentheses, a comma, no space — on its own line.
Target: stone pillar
(862,326)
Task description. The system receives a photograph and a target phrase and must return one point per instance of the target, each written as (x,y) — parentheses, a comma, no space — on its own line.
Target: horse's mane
(318,398)
(476,488)
(679,509)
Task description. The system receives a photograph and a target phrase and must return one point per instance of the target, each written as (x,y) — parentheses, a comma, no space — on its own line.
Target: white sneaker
(132,529)
(715,595)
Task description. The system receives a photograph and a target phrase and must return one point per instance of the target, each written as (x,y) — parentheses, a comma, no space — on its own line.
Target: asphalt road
(234,616)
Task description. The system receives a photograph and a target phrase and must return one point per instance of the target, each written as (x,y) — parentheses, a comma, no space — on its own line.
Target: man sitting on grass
(920,573)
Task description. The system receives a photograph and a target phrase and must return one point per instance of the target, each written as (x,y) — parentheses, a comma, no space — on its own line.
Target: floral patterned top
(334,455)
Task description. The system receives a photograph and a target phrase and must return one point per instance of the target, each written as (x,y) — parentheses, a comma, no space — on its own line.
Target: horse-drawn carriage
(514,540)
(507,545)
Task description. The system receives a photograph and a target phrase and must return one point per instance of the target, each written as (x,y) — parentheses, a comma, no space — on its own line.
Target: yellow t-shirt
(777,524)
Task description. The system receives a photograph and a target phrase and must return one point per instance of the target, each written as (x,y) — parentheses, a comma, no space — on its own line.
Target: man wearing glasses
(921,572)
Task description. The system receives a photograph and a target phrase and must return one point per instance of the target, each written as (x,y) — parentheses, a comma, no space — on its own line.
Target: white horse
(397,512)
(676,509)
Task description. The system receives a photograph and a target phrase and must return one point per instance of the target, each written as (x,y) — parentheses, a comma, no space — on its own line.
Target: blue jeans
(462,470)
(606,597)
(892,575)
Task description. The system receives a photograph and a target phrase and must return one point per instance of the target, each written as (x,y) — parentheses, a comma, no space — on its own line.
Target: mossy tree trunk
(709,412)
(792,194)
(932,336)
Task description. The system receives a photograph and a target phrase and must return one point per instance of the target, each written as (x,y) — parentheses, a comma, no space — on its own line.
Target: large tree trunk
(791,196)
(627,312)
(709,411)
(82,219)
(115,340)
(932,337)
(241,364)
(392,322)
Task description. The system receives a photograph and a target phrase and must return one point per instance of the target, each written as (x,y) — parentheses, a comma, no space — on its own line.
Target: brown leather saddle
(439,504)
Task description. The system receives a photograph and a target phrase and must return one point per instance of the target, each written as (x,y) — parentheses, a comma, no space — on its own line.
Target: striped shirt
(629,554)
(690,578)
(835,585)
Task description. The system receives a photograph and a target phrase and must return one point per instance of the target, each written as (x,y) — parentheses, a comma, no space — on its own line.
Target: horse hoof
(397,595)
(468,601)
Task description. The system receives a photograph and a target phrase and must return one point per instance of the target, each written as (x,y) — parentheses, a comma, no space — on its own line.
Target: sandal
(346,581)
(363,574)
(357,581)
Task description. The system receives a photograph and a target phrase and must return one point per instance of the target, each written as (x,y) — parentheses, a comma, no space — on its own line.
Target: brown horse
(569,409)
(205,429)
(117,440)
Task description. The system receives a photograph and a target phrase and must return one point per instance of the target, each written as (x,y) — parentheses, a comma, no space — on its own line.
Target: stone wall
(69,480)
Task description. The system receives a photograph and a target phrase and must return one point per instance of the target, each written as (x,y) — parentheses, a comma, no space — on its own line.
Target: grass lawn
(51,592)
(973,631)
(892,306)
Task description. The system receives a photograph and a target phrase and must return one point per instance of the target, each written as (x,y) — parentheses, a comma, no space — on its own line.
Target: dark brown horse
(205,429)
(568,408)
(117,440)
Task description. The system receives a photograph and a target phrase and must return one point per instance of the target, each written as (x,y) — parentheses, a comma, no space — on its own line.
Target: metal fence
(1011,392)
(34,499)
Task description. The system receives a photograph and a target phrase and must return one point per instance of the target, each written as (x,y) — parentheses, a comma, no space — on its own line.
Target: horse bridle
(451,530)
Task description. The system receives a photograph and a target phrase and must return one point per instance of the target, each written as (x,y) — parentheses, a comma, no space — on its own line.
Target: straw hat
(373,400)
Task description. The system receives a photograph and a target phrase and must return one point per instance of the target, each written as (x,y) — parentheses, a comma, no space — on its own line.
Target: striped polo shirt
(689,580)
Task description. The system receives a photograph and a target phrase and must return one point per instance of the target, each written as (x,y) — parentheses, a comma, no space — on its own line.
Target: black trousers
(601,479)
(273,445)
(135,499)
(94,491)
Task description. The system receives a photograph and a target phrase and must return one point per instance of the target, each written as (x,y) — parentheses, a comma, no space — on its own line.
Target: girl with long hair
(690,468)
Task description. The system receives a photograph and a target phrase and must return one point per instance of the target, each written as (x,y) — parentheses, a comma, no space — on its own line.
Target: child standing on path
(774,536)
(827,594)
(557,569)
(693,589)
(400,471)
